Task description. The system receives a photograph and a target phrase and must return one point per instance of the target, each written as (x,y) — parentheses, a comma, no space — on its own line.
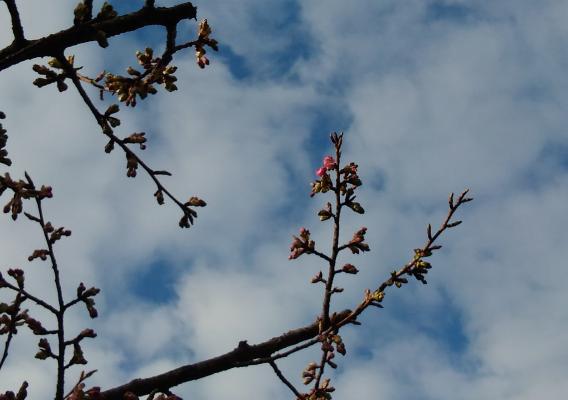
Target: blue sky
(433,97)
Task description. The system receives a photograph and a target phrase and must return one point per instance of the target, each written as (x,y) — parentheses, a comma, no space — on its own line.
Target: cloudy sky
(433,97)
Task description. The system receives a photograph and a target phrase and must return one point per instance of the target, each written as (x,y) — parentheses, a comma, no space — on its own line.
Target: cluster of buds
(112,121)
(131,165)
(325,213)
(309,373)
(136,138)
(203,40)
(375,298)
(323,184)
(79,393)
(421,267)
(86,296)
(330,344)
(44,351)
(106,12)
(55,234)
(21,395)
(3,140)
(349,269)
(396,280)
(322,393)
(51,76)
(39,253)
(22,191)
(350,180)
(301,245)
(357,243)
(141,83)
(188,214)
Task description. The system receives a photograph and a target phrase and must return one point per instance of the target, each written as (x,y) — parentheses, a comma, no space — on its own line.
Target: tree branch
(17,28)
(242,354)
(56,43)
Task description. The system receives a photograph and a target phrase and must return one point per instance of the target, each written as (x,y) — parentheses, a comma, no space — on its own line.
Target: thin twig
(277,356)
(60,325)
(36,300)
(17,27)
(107,130)
(406,268)
(286,381)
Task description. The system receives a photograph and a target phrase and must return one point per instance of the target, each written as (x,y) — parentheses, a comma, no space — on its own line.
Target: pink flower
(328,162)
(321,171)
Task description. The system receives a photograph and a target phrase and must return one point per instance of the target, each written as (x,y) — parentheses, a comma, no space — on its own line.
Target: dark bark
(240,356)
(56,43)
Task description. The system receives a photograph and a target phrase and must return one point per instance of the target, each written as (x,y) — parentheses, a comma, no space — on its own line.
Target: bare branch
(56,43)
(235,358)
(107,131)
(60,325)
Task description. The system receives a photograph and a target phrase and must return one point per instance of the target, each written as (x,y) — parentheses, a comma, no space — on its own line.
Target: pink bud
(321,171)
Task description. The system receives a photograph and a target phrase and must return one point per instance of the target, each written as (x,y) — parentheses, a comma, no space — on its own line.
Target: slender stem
(335,243)
(334,252)
(321,255)
(60,322)
(36,300)
(286,381)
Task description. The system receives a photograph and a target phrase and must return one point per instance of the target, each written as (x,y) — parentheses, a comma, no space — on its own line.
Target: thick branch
(56,43)
(243,353)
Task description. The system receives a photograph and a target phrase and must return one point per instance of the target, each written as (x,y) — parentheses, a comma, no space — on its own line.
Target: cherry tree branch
(107,131)
(241,356)
(89,31)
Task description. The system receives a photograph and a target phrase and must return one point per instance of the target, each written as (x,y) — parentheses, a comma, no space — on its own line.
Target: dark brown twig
(107,130)
(17,28)
(59,315)
(428,247)
(33,298)
(286,381)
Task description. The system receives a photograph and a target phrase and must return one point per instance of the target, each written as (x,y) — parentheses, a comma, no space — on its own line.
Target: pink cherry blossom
(328,162)
(321,171)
